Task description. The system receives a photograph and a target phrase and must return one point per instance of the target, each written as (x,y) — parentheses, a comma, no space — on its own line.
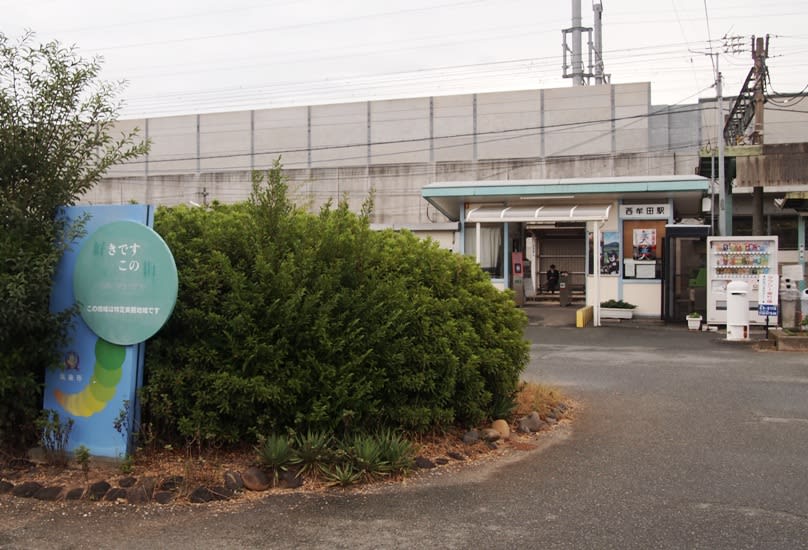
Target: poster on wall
(645,246)
(610,253)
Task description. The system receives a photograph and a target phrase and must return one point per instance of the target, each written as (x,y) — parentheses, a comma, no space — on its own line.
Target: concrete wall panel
(135,167)
(173,149)
(284,133)
(399,131)
(398,194)
(784,124)
(453,128)
(339,135)
(508,125)
(224,141)
(577,121)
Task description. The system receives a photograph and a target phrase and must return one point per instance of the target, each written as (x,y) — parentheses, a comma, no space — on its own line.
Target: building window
(490,247)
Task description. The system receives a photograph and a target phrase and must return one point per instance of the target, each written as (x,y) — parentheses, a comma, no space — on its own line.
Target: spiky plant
(314,449)
(342,475)
(366,455)
(397,451)
(276,453)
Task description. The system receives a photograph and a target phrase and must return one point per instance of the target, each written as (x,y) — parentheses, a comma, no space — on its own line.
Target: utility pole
(724,228)
(600,77)
(577,74)
(724,198)
(759,53)
(577,61)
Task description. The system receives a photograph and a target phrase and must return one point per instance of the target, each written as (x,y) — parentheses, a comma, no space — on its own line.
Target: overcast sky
(189,56)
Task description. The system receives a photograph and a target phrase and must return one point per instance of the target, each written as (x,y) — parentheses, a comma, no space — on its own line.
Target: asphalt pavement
(679,439)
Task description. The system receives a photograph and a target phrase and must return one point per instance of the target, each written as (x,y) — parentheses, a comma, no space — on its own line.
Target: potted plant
(616,309)
(694,320)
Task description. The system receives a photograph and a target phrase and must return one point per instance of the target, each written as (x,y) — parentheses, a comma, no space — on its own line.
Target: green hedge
(287,319)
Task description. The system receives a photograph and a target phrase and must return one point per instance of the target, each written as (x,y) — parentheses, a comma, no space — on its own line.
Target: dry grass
(537,397)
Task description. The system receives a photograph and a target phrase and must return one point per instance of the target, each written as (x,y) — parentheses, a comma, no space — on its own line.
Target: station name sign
(645,211)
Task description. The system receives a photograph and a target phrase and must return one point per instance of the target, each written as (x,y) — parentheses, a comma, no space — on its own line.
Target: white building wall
(281,133)
(173,145)
(508,125)
(577,121)
(339,135)
(632,103)
(647,296)
(399,131)
(785,124)
(396,147)
(453,128)
(225,141)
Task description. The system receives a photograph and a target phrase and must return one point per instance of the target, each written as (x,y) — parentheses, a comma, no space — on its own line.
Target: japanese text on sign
(131,310)
(644,211)
(127,252)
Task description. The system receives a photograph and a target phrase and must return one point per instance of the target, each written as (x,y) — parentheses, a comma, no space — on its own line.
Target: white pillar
(478,242)
(596,252)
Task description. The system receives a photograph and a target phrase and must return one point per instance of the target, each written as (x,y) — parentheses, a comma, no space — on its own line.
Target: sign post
(768,289)
(124,280)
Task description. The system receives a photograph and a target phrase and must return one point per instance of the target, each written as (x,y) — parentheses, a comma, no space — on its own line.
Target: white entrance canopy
(538,214)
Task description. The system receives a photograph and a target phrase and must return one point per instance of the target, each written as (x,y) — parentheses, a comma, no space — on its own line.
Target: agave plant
(397,451)
(313,449)
(366,454)
(275,453)
(341,475)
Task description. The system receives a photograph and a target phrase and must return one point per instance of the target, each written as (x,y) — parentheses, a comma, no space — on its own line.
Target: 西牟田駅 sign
(125,282)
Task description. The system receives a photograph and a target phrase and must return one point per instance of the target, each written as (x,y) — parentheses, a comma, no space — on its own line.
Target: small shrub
(127,464)
(121,422)
(82,455)
(54,436)
(618,304)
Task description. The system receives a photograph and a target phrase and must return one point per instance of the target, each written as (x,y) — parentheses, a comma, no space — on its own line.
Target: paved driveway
(680,440)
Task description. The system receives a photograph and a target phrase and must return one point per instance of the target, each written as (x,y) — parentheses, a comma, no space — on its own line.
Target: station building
(573,177)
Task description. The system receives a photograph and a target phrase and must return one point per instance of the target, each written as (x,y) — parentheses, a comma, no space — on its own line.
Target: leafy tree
(56,118)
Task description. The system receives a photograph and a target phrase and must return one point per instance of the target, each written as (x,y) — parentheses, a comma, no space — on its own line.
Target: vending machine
(742,259)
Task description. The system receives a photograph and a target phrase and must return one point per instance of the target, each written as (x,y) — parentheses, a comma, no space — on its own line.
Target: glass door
(685,281)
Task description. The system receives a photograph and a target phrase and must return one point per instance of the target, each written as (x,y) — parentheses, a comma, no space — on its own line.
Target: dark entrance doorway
(564,247)
(684,285)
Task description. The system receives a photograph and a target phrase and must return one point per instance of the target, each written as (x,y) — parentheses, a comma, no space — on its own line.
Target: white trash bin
(738,310)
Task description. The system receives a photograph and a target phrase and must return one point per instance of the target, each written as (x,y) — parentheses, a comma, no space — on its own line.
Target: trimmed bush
(290,320)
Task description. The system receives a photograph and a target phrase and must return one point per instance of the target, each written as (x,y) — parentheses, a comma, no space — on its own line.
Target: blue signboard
(98,385)
(767,310)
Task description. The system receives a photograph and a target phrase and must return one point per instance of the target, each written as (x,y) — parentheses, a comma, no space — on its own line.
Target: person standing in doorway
(552,278)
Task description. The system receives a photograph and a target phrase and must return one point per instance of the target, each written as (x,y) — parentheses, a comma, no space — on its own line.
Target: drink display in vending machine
(742,259)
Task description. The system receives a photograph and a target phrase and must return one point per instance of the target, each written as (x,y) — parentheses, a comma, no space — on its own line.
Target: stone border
(149,489)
